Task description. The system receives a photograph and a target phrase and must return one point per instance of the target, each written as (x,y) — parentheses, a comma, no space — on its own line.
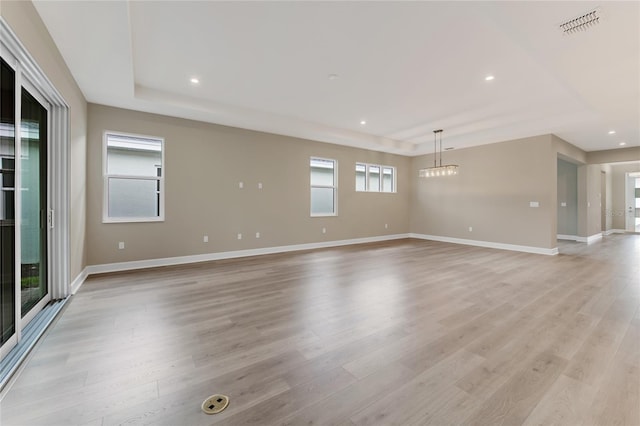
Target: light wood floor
(406,332)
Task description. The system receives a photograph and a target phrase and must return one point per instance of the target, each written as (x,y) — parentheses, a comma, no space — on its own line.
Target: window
(375,178)
(7,204)
(324,187)
(361,177)
(133,178)
(388,181)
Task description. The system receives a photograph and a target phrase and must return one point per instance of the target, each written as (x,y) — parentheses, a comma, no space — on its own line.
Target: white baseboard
(593,238)
(569,237)
(588,240)
(615,231)
(488,244)
(80,279)
(180,260)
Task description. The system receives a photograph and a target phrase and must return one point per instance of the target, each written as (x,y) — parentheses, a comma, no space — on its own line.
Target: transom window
(133,178)
(375,178)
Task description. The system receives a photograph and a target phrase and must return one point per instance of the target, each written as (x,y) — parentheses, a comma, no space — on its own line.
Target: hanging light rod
(438,169)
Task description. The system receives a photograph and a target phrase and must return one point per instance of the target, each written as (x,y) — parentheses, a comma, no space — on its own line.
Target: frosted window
(322,201)
(133,198)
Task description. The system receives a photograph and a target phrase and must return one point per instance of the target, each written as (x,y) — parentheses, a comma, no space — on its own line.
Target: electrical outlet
(239,236)
(471,229)
(240,185)
(534,204)
(257,235)
(324,230)
(386,226)
(259,185)
(563,204)
(121,245)
(205,239)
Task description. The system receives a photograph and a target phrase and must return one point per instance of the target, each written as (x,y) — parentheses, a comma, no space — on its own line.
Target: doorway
(632,202)
(603,202)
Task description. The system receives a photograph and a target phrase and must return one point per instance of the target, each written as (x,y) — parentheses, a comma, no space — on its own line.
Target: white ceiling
(405,67)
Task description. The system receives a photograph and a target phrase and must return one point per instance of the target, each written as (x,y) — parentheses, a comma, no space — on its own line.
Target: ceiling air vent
(581,23)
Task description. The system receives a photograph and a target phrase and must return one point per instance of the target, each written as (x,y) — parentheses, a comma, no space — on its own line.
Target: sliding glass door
(33,184)
(7,203)
(23,205)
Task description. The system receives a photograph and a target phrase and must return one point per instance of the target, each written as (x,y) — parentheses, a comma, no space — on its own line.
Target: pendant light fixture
(438,169)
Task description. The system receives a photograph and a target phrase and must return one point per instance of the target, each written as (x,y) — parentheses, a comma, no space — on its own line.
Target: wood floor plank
(337,408)
(402,332)
(424,393)
(513,402)
(565,403)
(618,400)
(93,406)
(595,353)
(297,398)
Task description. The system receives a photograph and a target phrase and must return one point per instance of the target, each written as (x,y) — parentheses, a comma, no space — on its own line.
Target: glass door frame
(30,76)
(20,82)
(11,61)
(33,311)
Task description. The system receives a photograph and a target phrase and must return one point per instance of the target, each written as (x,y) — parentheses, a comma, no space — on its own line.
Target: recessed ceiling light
(489,78)
(612,132)
(333,76)
(622,143)
(363,122)
(194,80)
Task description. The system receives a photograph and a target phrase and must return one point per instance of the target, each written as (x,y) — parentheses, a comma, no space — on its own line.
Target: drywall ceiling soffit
(405,68)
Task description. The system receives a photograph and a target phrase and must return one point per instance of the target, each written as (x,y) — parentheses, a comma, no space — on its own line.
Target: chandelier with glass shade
(438,169)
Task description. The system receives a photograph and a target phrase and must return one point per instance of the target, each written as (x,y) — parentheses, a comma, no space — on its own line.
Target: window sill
(132,219)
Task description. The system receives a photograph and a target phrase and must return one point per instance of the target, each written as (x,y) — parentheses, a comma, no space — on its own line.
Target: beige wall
(27,25)
(204,164)
(614,155)
(491,194)
(567,151)
(618,172)
(568,194)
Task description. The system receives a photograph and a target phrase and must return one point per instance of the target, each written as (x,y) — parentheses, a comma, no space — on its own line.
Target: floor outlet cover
(215,404)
